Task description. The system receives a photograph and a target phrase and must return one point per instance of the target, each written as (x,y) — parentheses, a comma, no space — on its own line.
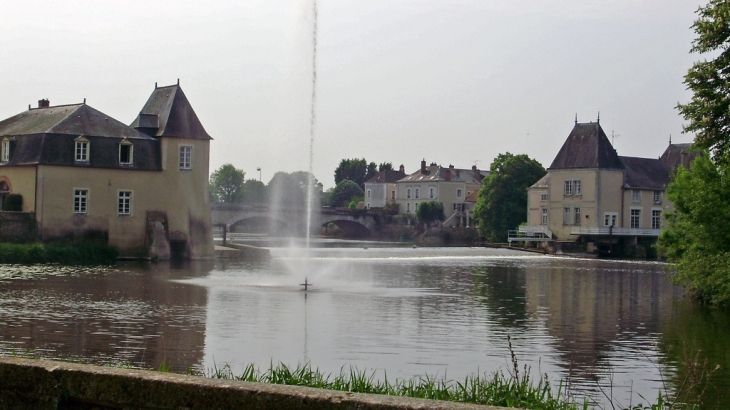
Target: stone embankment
(43,384)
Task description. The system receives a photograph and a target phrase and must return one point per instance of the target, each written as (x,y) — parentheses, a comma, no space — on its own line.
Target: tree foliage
(254,192)
(697,237)
(290,190)
(708,112)
(344,192)
(383,166)
(226,184)
(357,170)
(430,211)
(502,203)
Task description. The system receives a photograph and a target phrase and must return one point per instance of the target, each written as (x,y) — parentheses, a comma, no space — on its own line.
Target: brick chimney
(402,168)
(423,165)
(447,175)
(44,103)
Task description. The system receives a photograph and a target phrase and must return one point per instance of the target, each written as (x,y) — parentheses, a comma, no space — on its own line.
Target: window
(125,152)
(6,151)
(458,193)
(82,150)
(576,214)
(572,187)
(418,193)
(544,220)
(566,216)
(656,219)
(636,218)
(368,194)
(657,197)
(408,193)
(368,206)
(81,201)
(543,197)
(415,207)
(186,157)
(125,203)
(610,218)
(392,195)
(430,193)
(635,195)
(408,207)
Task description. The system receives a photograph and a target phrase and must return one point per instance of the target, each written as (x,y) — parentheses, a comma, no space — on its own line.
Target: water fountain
(313,116)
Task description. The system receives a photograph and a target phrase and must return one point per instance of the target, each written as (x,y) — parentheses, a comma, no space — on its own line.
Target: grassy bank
(66,254)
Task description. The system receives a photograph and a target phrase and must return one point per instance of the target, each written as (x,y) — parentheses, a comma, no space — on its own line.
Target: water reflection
(400,311)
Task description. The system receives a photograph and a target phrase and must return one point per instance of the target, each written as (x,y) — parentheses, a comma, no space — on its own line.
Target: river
(616,328)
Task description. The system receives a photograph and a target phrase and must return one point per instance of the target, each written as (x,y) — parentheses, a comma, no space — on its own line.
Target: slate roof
(46,136)
(434,173)
(386,176)
(587,147)
(168,113)
(646,173)
(678,154)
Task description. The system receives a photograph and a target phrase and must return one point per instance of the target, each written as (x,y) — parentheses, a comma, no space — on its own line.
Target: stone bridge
(291,221)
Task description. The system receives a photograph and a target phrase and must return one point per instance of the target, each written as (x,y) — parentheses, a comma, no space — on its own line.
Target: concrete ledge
(43,384)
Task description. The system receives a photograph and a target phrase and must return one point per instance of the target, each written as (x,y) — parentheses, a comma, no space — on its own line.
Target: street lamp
(259,169)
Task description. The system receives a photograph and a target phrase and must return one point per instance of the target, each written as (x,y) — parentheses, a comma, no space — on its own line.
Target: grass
(65,254)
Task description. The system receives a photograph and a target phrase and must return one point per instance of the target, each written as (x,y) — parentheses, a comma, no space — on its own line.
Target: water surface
(604,325)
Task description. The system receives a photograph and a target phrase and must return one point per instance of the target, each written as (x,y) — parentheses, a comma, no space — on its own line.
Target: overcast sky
(454,82)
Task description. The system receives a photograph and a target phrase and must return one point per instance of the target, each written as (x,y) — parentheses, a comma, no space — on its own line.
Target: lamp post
(259,169)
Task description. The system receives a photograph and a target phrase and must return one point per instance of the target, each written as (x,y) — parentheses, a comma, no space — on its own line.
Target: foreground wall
(41,384)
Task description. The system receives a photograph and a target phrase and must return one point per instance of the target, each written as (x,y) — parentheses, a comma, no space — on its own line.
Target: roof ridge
(56,106)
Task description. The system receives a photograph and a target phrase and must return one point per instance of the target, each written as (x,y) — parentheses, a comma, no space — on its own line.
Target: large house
(380,190)
(591,194)
(84,175)
(448,185)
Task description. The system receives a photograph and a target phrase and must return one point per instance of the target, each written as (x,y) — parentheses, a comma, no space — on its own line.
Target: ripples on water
(397,311)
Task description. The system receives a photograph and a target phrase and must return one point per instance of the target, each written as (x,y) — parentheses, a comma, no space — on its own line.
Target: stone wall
(41,384)
(18,227)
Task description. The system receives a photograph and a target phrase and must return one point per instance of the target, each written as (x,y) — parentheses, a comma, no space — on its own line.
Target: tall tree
(708,112)
(353,169)
(697,237)
(502,203)
(344,192)
(430,211)
(253,192)
(383,166)
(226,183)
(290,190)
(371,172)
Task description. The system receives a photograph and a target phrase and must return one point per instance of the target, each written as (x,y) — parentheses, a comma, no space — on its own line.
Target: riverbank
(65,254)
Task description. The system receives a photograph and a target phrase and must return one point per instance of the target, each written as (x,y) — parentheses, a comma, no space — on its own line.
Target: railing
(607,231)
(529,234)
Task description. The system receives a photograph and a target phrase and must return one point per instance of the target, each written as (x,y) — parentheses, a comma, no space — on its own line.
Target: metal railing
(608,231)
(529,234)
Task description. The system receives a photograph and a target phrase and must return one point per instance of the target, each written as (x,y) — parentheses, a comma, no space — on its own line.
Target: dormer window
(126,152)
(81,149)
(5,155)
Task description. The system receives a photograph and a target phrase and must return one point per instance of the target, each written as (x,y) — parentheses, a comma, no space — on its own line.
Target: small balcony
(608,231)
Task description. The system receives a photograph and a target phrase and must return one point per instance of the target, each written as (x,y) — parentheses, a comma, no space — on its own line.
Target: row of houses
(455,188)
(79,174)
(589,194)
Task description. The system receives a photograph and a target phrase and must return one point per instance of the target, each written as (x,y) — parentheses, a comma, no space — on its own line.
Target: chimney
(44,103)
(474,168)
(423,165)
(451,166)
(402,168)
(447,175)
(458,173)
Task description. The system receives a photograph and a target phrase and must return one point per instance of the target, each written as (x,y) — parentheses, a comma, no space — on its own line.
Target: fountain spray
(313,117)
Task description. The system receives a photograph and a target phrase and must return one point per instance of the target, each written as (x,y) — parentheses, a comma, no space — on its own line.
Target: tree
(502,203)
(253,192)
(353,169)
(290,190)
(344,192)
(371,172)
(697,237)
(226,183)
(385,166)
(430,211)
(708,112)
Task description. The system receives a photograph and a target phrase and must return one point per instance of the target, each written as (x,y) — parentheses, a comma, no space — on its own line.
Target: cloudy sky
(453,82)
